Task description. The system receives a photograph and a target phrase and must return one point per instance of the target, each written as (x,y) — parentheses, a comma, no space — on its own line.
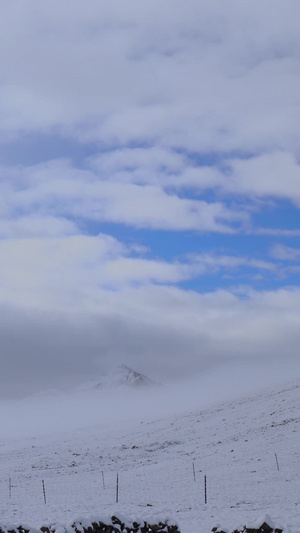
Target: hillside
(233,443)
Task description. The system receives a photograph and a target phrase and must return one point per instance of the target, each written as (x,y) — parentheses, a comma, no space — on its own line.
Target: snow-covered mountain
(248,449)
(121,376)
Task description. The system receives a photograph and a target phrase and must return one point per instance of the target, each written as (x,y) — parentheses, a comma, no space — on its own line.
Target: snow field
(234,444)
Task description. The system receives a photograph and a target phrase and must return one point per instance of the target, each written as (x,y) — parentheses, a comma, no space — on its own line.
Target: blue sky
(150,185)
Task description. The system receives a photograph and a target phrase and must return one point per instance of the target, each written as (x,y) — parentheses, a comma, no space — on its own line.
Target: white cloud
(152,161)
(69,272)
(285,253)
(278,232)
(213,263)
(204,78)
(56,189)
(269,175)
(53,272)
(166,168)
(37,226)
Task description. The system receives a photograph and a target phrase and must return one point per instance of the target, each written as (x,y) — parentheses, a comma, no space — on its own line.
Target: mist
(58,412)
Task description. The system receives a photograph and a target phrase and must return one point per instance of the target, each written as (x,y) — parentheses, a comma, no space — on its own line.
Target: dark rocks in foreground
(263,525)
(115,524)
(119,524)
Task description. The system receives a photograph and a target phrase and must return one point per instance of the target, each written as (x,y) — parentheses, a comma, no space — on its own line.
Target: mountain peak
(123,375)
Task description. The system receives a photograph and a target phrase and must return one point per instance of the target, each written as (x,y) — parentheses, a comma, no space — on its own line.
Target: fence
(171,485)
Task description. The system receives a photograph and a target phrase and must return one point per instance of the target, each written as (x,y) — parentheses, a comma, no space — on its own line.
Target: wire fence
(181,483)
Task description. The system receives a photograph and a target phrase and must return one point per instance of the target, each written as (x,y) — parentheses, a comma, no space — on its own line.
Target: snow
(122,375)
(233,443)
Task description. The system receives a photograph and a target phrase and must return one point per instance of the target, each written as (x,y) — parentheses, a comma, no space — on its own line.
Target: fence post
(194,473)
(277,462)
(205,489)
(117,489)
(44,491)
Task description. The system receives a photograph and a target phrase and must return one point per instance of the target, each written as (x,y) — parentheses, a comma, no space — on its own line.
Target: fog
(57,411)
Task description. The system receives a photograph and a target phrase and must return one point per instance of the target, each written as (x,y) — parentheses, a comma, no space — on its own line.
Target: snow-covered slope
(161,466)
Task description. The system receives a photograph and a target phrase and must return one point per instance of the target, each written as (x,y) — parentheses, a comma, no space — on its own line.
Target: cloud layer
(208,77)
(149,186)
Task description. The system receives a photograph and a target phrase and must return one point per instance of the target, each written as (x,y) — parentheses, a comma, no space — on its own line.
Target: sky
(149,189)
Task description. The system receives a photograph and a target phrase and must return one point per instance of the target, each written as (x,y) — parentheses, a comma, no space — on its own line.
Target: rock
(45,529)
(265,528)
(115,525)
